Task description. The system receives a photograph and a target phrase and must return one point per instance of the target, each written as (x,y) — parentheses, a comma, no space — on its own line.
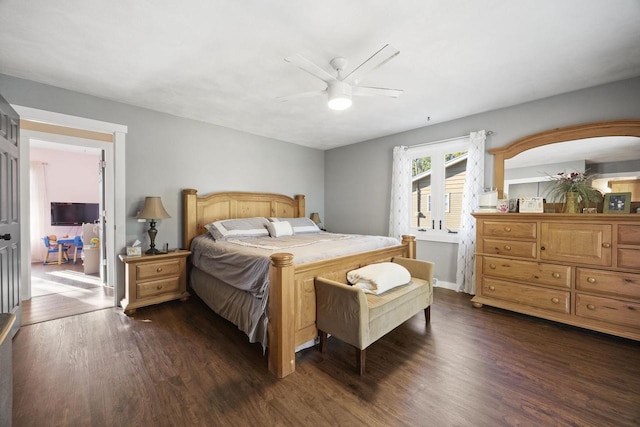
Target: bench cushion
(390,300)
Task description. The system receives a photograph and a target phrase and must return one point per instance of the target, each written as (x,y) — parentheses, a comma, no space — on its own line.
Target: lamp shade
(315,218)
(153,209)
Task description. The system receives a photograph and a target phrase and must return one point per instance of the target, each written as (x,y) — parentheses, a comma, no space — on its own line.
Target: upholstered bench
(358,318)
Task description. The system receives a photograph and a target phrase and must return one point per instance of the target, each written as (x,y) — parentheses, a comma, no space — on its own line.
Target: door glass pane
(455,172)
(421,193)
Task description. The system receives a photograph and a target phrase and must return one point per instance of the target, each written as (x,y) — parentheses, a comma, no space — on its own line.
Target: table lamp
(152,211)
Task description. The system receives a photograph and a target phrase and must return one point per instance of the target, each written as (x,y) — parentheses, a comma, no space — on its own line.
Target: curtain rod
(489,132)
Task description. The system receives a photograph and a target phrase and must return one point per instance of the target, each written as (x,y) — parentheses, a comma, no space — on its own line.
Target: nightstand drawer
(157,287)
(158,269)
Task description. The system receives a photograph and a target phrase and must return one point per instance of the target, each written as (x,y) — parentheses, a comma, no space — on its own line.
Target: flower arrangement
(574,182)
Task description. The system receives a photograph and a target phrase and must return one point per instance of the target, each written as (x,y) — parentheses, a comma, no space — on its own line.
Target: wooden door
(579,243)
(9,212)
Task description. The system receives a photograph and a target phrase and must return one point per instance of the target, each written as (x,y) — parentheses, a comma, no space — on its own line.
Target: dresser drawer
(518,230)
(157,287)
(629,258)
(509,248)
(608,282)
(608,310)
(628,234)
(526,271)
(548,299)
(153,270)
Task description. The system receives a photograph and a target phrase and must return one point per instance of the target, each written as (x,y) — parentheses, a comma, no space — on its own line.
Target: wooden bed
(292,301)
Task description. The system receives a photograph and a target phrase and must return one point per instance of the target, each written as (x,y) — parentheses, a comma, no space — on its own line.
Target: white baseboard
(447,285)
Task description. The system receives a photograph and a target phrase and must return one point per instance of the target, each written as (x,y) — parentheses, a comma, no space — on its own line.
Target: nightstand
(152,279)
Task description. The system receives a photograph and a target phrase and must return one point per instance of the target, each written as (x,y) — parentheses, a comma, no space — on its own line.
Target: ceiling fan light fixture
(339,95)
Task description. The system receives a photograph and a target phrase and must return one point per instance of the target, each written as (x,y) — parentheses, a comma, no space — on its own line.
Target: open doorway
(68,275)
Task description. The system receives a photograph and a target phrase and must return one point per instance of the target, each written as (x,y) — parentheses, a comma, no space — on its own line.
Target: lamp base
(154,251)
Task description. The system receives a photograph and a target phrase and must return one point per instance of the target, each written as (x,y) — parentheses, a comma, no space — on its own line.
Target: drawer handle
(555,300)
(606,245)
(159,287)
(591,306)
(507,229)
(507,247)
(492,288)
(591,279)
(556,275)
(492,266)
(542,248)
(159,270)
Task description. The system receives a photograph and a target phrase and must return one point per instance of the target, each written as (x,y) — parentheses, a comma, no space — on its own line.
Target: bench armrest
(418,268)
(342,310)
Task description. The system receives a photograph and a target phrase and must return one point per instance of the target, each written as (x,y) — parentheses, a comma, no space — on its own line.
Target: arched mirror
(609,149)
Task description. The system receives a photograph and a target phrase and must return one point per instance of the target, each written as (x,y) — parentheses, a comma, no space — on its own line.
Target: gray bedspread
(244,262)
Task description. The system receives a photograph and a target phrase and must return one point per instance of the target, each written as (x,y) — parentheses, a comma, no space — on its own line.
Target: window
(438,174)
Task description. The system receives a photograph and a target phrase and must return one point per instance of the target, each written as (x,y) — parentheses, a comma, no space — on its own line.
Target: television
(63,213)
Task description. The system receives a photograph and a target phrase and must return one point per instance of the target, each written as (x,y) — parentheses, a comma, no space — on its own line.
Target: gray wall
(165,154)
(358,176)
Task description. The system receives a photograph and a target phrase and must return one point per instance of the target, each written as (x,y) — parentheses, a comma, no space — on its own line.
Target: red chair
(51,243)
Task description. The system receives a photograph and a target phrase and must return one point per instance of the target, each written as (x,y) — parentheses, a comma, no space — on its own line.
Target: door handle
(5,237)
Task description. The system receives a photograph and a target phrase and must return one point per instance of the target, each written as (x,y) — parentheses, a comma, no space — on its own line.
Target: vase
(571,204)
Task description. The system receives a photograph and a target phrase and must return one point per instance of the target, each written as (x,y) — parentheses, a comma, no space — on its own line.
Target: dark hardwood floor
(178,364)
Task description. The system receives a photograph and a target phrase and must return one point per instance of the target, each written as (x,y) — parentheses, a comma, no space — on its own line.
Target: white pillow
(379,278)
(241,227)
(279,229)
(299,225)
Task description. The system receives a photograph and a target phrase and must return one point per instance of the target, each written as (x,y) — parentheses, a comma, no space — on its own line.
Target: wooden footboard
(292,301)
(292,298)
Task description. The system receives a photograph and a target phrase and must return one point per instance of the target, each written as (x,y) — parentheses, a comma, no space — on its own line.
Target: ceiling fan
(340,88)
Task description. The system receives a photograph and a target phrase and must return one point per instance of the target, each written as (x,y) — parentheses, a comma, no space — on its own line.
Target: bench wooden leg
(323,341)
(361,356)
(427,314)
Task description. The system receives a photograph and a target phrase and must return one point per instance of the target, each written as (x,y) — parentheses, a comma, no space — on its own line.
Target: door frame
(115,186)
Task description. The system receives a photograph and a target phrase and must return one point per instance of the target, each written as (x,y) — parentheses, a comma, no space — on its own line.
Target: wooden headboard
(199,211)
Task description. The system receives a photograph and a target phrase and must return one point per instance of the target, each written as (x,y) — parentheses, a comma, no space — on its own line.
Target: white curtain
(399,213)
(473,186)
(39,206)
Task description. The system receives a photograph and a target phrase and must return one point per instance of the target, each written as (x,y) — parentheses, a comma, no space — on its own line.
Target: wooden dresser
(579,269)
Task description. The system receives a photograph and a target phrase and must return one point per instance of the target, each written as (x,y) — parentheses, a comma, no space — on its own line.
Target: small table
(61,243)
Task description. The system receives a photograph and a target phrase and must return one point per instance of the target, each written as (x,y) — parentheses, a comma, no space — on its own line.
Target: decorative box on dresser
(152,279)
(578,269)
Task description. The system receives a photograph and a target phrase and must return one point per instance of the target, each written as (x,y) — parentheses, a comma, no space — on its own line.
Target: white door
(9,212)
(103,243)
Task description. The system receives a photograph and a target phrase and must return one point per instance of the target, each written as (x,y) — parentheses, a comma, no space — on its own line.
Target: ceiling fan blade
(301,95)
(381,57)
(305,65)
(376,91)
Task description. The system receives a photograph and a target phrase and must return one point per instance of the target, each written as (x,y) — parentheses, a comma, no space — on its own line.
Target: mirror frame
(629,127)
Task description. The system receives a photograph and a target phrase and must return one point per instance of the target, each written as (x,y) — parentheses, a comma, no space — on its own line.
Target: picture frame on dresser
(617,203)
(531,205)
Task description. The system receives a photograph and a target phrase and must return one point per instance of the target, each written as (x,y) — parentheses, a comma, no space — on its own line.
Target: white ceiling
(223,61)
